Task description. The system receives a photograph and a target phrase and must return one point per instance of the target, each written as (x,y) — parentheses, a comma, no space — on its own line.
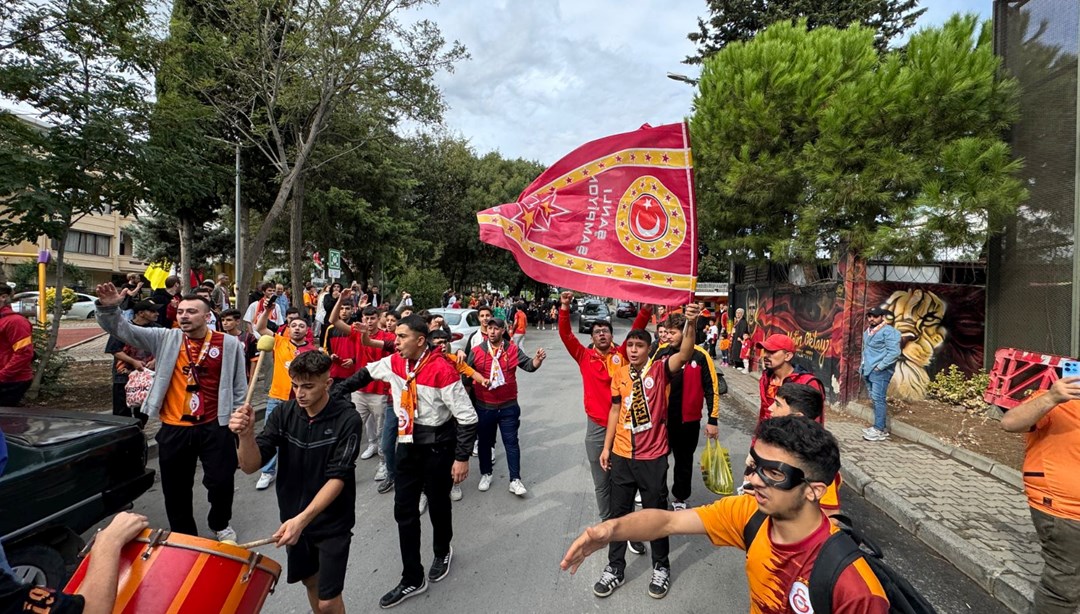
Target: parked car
(82,309)
(625,309)
(66,472)
(462,323)
(593,311)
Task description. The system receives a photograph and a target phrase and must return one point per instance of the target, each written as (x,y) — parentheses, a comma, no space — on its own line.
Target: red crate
(1018,373)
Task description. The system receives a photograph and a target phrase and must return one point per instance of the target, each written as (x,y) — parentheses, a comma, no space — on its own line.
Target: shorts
(328,557)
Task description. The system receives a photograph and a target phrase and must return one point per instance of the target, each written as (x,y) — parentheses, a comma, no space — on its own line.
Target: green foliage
(732,21)
(55,363)
(50,299)
(810,144)
(425,285)
(25,274)
(954,387)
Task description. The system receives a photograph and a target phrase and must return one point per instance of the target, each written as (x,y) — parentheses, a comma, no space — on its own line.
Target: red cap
(776,342)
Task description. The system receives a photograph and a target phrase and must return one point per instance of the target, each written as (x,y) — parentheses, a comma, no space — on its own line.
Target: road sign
(335,261)
(333,273)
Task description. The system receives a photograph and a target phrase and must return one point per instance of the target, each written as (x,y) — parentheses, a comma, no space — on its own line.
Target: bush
(424,285)
(50,299)
(24,275)
(954,387)
(52,381)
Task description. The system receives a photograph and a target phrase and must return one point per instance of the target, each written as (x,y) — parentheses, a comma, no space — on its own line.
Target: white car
(26,304)
(462,323)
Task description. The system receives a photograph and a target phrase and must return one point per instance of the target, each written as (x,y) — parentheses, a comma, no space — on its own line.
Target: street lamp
(683,78)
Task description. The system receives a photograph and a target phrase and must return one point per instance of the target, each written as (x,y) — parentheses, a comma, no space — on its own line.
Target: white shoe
(678,506)
(371,450)
(518,488)
(265,480)
(485,482)
(455,493)
(226,534)
(476,448)
(637,498)
(380,473)
(423,503)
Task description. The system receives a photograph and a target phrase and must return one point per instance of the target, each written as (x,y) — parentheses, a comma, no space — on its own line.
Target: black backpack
(842,549)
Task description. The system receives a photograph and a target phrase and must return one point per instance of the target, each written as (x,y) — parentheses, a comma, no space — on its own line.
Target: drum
(170,572)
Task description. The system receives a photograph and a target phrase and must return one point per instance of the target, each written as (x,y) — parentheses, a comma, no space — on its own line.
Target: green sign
(335,259)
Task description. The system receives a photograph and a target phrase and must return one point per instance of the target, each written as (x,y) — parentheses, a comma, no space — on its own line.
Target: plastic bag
(716,469)
(138,387)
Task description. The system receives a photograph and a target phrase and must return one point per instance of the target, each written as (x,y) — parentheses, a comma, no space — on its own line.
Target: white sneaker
(226,534)
(678,506)
(371,450)
(485,482)
(265,480)
(423,503)
(455,492)
(380,473)
(518,488)
(476,448)
(637,498)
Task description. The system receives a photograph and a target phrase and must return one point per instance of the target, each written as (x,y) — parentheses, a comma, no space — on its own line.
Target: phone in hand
(1070,368)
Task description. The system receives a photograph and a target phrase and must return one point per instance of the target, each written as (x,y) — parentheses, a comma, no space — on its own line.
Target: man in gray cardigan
(200,379)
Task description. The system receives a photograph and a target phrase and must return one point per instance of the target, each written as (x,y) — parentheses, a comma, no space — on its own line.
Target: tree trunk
(296,242)
(241,289)
(186,231)
(58,312)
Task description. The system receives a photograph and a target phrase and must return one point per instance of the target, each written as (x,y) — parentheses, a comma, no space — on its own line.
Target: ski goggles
(776,474)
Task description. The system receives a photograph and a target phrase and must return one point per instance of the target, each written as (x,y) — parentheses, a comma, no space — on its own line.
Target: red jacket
(343,347)
(510,358)
(370,354)
(768,394)
(16,347)
(693,387)
(594,367)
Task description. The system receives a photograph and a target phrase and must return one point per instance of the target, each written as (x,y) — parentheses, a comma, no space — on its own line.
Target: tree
(739,20)
(77,65)
(286,67)
(810,145)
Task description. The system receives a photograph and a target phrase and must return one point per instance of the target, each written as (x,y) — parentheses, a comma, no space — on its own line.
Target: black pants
(11,393)
(178,449)
(627,477)
(683,440)
(423,469)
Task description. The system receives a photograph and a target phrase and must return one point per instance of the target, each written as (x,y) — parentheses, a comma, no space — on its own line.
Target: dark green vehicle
(66,472)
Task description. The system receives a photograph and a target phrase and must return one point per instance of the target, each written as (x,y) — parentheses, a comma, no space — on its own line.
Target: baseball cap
(776,342)
(878,311)
(497,322)
(145,306)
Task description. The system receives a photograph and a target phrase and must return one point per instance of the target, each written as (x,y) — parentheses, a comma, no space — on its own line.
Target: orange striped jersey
(779,574)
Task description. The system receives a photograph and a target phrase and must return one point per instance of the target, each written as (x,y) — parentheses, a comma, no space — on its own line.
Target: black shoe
(385,486)
(636,547)
(661,580)
(608,582)
(440,566)
(400,593)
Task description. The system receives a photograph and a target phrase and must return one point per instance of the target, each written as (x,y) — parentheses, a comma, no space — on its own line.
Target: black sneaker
(608,582)
(636,547)
(385,486)
(400,593)
(440,566)
(661,580)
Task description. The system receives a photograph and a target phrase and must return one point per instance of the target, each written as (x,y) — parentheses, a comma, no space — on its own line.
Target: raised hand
(692,311)
(566,299)
(107,295)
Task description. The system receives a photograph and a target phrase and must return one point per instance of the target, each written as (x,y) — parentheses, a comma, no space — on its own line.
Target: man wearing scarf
(636,446)
(436,430)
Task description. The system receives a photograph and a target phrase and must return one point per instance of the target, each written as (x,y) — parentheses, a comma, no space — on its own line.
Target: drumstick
(259,542)
(266,344)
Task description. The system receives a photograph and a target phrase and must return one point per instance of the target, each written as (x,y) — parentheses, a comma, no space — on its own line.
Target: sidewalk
(962,505)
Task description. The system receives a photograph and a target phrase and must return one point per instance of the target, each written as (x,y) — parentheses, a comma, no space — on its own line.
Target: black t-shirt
(114,345)
(16,598)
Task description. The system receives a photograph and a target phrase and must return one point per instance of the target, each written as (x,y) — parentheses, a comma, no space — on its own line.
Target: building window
(79,242)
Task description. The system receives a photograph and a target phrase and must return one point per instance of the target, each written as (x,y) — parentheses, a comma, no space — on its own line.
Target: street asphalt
(507,549)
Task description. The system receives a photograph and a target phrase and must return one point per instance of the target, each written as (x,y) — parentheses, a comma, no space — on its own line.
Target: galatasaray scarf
(496,376)
(640,416)
(410,400)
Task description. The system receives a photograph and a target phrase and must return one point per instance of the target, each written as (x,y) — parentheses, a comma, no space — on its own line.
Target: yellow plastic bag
(716,469)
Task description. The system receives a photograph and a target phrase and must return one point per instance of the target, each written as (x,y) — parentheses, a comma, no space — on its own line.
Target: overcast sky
(548,75)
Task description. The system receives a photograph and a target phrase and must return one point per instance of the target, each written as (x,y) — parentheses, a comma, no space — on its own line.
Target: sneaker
(455,495)
(423,503)
(868,429)
(518,488)
(400,593)
(608,582)
(440,566)
(228,534)
(636,547)
(637,498)
(661,580)
(875,435)
(386,486)
(370,451)
(265,480)
(678,506)
(485,482)
(381,473)
(476,448)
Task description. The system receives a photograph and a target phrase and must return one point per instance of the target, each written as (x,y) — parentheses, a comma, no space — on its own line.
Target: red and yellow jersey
(199,363)
(651,443)
(779,574)
(284,353)
(1050,461)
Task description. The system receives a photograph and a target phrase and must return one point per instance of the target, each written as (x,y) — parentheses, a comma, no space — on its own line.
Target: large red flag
(616,217)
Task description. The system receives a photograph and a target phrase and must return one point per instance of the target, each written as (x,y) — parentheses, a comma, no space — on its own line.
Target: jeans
(179,448)
(423,468)
(507,420)
(594,445)
(271,405)
(1058,591)
(877,383)
(5,568)
(388,441)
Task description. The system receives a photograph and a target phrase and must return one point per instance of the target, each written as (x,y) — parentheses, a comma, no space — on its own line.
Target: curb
(151,443)
(1014,592)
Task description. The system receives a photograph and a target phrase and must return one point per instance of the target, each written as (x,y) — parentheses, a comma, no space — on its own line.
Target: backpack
(842,549)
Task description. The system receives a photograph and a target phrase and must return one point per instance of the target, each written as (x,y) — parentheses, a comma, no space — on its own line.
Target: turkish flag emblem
(648,221)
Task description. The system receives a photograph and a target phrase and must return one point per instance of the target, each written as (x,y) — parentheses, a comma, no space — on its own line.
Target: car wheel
(90,316)
(38,566)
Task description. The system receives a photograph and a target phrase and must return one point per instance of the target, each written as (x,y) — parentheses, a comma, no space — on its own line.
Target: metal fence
(1033,298)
